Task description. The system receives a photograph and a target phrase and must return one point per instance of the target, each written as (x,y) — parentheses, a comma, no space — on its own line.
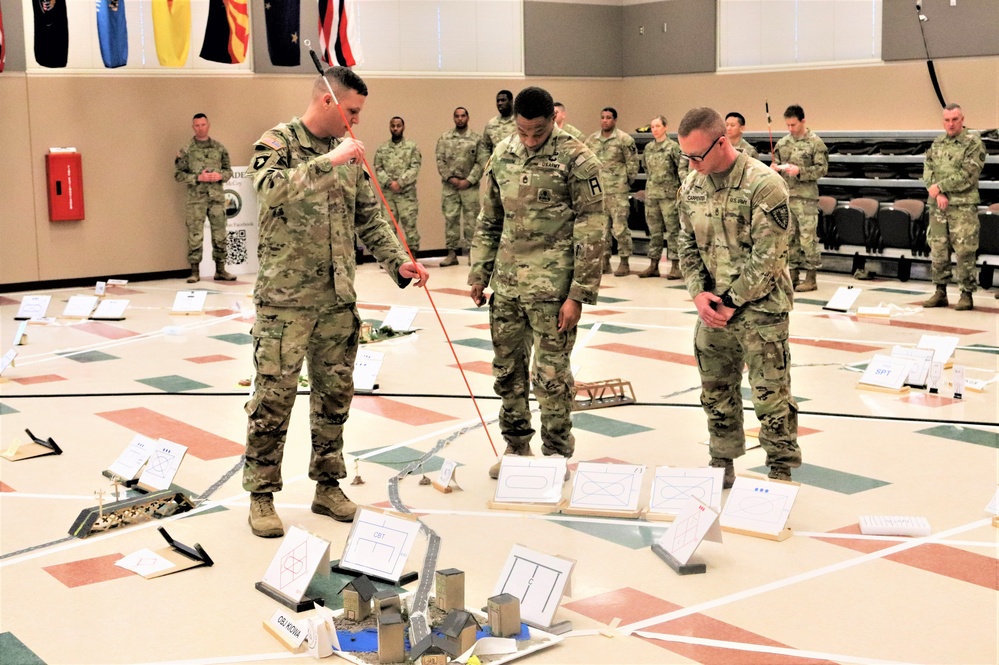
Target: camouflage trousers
(617,209)
(660,214)
(803,235)
(406,209)
(955,228)
(518,328)
(759,340)
(282,337)
(454,202)
(198,206)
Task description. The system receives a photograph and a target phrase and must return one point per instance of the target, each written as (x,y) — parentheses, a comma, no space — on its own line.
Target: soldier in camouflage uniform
(538,243)
(458,163)
(313,196)
(204,167)
(618,156)
(665,169)
(735,123)
(733,248)
(563,125)
(802,158)
(951,171)
(498,128)
(397,164)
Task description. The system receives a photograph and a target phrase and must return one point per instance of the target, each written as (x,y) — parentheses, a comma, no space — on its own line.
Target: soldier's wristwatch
(727,301)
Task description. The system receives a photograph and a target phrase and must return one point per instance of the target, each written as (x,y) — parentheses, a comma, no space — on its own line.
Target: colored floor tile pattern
(477,366)
(89,571)
(830,479)
(5,409)
(836,346)
(399,411)
(644,352)
(484,344)
(398,458)
(611,328)
(173,383)
(88,356)
(14,652)
(105,330)
(41,378)
(633,537)
(605,426)
(201,360)
(240,339)
(201,444)
(978,437)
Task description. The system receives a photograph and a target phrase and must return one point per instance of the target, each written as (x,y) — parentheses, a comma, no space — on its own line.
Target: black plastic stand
(404,579)
(300,606)
(678,568)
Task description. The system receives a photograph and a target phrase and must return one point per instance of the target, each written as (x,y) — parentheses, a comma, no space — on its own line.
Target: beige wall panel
(19,246)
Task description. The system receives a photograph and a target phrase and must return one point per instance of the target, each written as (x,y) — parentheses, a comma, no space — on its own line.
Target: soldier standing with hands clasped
(397,164)
(458,163)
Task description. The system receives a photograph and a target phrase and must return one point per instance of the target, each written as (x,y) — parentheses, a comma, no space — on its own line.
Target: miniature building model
(387,601)
(504,615)
(459,629)
(391,642)
(357,595)
(432,650)
(450,584)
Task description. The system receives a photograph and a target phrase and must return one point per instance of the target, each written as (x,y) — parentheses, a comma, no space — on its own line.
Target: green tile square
(810,301)
(678,287)
(907,292)
(611,328)
(400,458)
(4,409)
(475,343)
(14,651)
(240,339)
(830,479)
(633,537)
(173,383)
(608,299)
(979,437)
(606,426)
(328,587)
(88,356)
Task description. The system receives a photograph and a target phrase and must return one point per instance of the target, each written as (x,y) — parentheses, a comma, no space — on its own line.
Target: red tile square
(398,411)
(367,305)
(926,399)
(644,352)
(480,326)
(201,360)
(835,346)
(478,366)
(201,444)
(105,330)
(602,312)
(4,487)
(89,571)
(40,378)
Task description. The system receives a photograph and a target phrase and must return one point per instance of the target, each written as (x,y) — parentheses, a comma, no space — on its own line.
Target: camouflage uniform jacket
(400,162)
(195,158)
(309,213)
(954,165)
(747,147)
(569,129)
(664,168)
(810,155)
(458,156)
(540,234)
(618,157)
(495,131)
(733,236)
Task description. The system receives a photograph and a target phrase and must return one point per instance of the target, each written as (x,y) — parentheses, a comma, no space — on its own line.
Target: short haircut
(509,95)
(534,102)
(560,105)
(704,119)
(399,118)
(950,107)
(202,115)
(611,110)
(794,111)
(738,116)
(342,77)
(459,108)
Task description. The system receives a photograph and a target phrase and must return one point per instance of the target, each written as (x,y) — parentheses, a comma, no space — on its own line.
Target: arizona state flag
(336,34)
(112,32)
(281,18)
(172,30)
(227,32)
(51,32)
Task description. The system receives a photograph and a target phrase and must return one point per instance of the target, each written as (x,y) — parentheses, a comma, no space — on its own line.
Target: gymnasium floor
(826,594)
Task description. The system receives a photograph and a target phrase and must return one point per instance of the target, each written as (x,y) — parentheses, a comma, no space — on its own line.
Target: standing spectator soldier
(499,127)
(563,125)
(458,164)
(951,171)
(802,158)
(618,154)
(204,167)
(397,164)
(313,197)
(538,243)
(665,169)
(733,247)
(735,124)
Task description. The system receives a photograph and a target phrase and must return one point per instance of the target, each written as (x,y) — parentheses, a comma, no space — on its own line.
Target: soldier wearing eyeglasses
(733,247)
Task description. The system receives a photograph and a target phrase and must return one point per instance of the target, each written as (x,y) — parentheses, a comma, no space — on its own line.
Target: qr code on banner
(236,247)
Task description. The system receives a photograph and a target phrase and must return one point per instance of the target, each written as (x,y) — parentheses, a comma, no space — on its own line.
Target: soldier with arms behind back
(618,157)
(665,169)
(458,164)
(397,165)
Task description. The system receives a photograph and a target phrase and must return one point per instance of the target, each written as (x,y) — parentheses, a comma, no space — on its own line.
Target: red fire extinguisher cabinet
(64,171)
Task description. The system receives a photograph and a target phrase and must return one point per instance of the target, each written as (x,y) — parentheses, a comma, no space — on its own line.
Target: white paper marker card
(32,307)
(943,346)
(400,318)
(133,458)
(600,487)
(79,307)
(110,309)
(920,360)
(885,373)
(446,477)
(164,461)
(673,487)
(530,479)
(843,299)
(379,543)
(366,367)
(20,338)
(538,580)
(758,506)
(189,302)
(695,523)
(7,360)
(297,561)
(993,506)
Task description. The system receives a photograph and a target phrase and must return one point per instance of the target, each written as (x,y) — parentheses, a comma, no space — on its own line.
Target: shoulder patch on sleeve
(271,142)
(587,168)
(771,196)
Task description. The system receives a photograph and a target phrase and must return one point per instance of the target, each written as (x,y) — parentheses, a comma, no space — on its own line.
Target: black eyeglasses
(700,158)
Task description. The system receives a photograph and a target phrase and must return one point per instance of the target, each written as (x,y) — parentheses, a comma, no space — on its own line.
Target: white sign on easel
(538,580)
(379,543)
(164,461)
(843,299)
(110,309)
(694,523)
(298,559)
(603,487)
(958,379)
(400,318)
(7,360)
(993,506)
(447,475)
(367,364)
(133,458)
(758,506)
(886,373)
(32,307)
(530,479)
(79,307)
(189,302)
(19,337)
(672,488)
(242,233)
(943,346)
(920,360)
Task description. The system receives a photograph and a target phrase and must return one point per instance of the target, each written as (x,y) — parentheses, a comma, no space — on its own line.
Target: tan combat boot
(451,260)
(938,299)
(605,266)
(780,472)
(674,270)
(264,521)
(809,283)
(651,271)
(332,502)
(221,275)
(195,274)
(724,463)
(623,269)
(965,303)
(794,277)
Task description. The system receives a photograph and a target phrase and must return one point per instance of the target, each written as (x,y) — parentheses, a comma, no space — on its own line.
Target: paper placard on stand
(673,487)
(400,318)
(993,506)
(529,481)
(886,374)
(759,507)
(538,580)
(379,543)
(694,523)
(32,307)
(943,347)
(20,338)
(164,461)
(843,299)
(448,474)
(298,559)
(189,302)
(110,309)
(920,361)
(35,448)
(131,460)
(957,377)
(606,489)
(367,364)
(7,360)
(79,307)
(117,282)
(171,559)
(100,289)
(975,385)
